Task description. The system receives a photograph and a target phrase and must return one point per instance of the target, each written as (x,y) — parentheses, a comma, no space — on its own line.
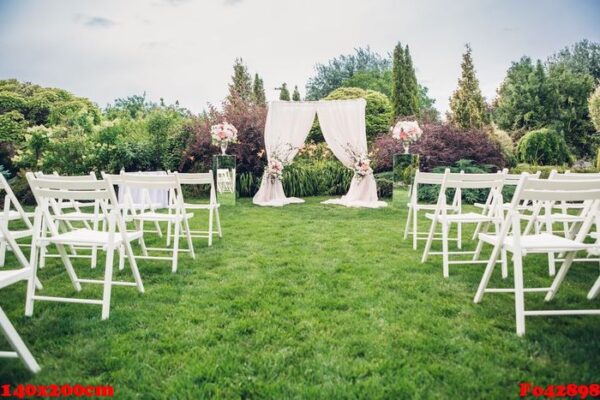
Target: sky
(184,49)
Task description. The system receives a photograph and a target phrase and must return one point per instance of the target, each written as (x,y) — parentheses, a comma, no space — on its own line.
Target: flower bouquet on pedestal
(222,135)
(407,132)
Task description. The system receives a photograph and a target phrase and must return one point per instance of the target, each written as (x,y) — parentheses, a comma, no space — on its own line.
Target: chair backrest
(578,176)
(514,179)
(91,176)
(45,189)
(474,181)
(147,182)
(198,179)
(10,201)
(188,178)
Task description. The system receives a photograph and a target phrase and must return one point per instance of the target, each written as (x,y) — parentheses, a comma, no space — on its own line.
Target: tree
(241,86)
(594,107)
(467,105)
(258,90)
(405,95)
(582,57)
(284,93)
(296,94)
(572,118)
(526,99)
(332,75)
(135,106)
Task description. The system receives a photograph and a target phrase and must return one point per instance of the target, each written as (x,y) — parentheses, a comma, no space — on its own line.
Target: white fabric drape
(344,127)
(288,124)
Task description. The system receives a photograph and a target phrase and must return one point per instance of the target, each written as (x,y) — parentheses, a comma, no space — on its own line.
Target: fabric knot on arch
(343,125)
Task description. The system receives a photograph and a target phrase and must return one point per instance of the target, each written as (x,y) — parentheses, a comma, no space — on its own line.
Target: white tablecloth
(158,197)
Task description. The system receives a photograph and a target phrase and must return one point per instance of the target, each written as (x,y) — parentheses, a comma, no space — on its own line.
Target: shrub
(248,118)
(598,160)
(594,106)
(543,147)
(378,113)
(546,169)
(506,144)
(445,145)
(383,150)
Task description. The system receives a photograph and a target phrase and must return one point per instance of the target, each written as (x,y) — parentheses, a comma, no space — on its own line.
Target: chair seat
(540,243)
(562,217)
(77,216)
(200,206)
(11,276)
(154,216)
(464,217)
(18,234)
(89,237)
(15,215)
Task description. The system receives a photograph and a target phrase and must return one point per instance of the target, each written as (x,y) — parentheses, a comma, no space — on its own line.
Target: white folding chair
(224,181)
(177,215)
(511,239)
(212,206)
(423,178)
(12,212)
(7,278)
(141,200)
(48,191)
(67,214)
(491,216)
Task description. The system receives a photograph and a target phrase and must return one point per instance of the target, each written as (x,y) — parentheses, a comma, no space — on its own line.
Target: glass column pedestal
(224,173)
(405,166)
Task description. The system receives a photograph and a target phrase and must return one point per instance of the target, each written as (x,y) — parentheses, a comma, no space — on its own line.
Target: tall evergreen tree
(467,105)
(296,94)
(284,93)
(405,91)
(258,91)
(241,85)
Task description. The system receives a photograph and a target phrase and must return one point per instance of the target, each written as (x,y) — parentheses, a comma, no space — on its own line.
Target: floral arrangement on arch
(407,132)
(360,161)
(277,161)
(223,134)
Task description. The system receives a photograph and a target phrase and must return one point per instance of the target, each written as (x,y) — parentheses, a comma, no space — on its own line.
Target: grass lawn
(306,301)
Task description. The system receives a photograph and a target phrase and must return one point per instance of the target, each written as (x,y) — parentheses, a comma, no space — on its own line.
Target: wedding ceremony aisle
(306,301)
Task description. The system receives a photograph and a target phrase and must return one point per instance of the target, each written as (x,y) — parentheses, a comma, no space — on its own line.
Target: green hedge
(320,178)
(543,147)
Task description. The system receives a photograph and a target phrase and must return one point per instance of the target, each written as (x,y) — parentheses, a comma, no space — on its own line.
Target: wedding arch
(343,125)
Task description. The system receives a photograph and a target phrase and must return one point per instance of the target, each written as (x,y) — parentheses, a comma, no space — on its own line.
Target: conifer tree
(467,105)
(241,85)
(296,94)
(258,91)
(405,91)
(284,93)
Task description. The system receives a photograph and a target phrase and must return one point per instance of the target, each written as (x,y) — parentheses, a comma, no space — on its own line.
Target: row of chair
(554,216)
(80,216)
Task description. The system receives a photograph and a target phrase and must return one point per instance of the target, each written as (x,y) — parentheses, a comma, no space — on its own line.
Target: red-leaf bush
(382,153)
(444,145)
(248,118)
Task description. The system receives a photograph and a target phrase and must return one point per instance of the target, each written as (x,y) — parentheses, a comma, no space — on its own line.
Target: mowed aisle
(308,301)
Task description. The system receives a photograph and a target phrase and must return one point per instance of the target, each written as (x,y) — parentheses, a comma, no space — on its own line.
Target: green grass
(306,301)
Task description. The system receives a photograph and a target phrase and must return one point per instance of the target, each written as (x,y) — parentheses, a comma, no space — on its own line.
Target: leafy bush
(248,118)
(506,144)
(543,147)
(383,150)
(546,169)
(445,145)
(594,106)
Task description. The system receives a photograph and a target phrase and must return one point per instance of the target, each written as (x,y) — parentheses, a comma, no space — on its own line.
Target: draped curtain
(288,124)
(343,126)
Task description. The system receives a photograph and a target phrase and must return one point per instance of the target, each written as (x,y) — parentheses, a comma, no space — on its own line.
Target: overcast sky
(184,49)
